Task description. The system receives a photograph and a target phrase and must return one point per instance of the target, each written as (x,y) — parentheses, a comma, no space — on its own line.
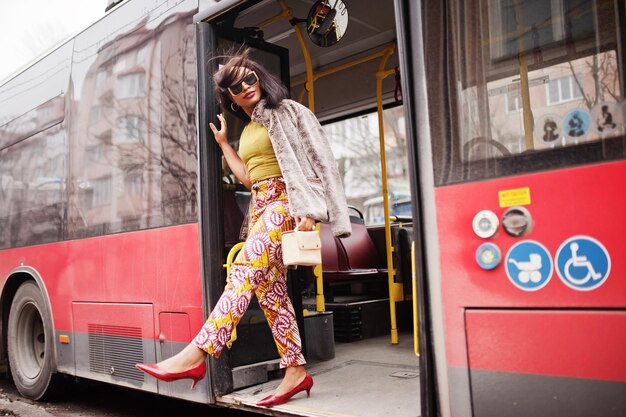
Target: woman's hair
(229,73)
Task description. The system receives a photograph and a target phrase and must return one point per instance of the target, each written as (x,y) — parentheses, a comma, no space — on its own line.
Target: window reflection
(31,189)
(133,162)
(129,129)
(560,97)
(132,85)
(549,75)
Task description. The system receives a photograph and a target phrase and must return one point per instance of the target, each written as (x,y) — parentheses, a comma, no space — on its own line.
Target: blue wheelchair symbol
(583,263)
(529,265)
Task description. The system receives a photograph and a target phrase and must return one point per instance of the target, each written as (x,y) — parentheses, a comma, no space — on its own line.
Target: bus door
(518,111)
(225,211)
(346,334)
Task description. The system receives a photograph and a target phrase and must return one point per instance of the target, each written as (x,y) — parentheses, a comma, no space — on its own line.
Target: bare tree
(603,69)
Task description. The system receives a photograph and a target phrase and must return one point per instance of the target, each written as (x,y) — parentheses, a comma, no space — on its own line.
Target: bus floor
(366,378)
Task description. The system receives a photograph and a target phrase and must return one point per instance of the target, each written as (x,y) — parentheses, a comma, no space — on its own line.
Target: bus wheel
(31,344)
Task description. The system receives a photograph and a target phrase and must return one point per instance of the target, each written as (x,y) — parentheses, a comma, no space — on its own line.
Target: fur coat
(307,164)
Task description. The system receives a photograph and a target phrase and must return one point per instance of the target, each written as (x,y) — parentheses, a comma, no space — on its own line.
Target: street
(92,399)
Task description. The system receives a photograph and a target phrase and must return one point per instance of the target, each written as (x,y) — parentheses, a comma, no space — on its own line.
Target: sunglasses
(250,80)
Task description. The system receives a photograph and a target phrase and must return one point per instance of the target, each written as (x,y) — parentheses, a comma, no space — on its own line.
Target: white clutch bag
(302,248)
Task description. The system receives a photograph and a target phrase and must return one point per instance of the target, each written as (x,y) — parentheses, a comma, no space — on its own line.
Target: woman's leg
(274,300)
(281,317)
(258,268)
(246,272)
(258,262)
(186,359)
(217,331)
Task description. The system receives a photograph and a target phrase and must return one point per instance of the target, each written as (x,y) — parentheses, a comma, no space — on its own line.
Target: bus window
(537,87)
(32,176)
(356,147)
(133,163)
(399,205)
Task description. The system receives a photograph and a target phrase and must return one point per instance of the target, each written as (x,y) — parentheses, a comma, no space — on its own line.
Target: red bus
(501,122)
(118,214)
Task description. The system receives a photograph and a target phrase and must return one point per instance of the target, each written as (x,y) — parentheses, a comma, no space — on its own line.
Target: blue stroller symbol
(529,271)
(528,265)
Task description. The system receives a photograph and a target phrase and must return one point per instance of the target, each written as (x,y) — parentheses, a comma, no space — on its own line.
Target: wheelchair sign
(583,263)
(528,265)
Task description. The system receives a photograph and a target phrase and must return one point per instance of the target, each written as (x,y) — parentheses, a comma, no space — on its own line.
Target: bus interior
(357,320)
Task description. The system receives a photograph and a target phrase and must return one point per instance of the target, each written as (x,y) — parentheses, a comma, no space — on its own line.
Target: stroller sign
(529,265)
(529,271)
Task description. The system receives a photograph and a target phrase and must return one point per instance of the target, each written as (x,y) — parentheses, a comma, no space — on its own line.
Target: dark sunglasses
(249,79)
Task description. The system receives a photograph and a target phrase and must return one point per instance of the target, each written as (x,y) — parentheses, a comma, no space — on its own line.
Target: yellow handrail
(416,345)
(345,65)
(320,304)
(287,13)
(395,290)
(231,256)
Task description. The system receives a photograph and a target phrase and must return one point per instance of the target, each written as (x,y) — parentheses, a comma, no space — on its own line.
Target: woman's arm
(233,160)
(236,165)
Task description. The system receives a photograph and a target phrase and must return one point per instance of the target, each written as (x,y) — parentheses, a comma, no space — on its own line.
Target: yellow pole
(523,76)
(341,67)
(319,285)
(416,342)
(393,288)
(287,13)
(309,85)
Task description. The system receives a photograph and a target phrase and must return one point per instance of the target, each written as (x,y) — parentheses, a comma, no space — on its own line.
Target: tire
(31,344)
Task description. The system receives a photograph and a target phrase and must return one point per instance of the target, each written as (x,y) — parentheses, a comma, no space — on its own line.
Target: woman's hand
(220,135)
(305,223)
(233,160)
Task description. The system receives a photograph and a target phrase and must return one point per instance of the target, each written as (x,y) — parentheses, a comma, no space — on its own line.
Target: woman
(285,159)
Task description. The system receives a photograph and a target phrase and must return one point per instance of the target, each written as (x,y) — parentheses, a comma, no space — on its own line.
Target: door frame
(211,221)
(433,375)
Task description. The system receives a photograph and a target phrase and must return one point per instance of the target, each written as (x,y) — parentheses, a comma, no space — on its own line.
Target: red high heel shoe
(271,400)
(196,373)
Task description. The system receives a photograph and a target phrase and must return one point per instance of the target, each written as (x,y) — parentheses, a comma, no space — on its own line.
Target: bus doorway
(357,306)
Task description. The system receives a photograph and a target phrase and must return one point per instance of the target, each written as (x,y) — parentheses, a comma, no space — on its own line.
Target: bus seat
(402,239)
(352,258)
(360,253)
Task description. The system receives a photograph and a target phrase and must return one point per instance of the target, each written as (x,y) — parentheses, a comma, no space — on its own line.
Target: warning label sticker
(514,197)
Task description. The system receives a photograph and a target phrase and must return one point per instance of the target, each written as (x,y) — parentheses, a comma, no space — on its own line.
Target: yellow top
(256,151)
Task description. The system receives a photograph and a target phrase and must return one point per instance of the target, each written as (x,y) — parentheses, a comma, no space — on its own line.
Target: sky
(29,28)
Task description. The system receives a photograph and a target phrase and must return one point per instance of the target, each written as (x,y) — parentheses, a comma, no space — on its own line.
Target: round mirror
(327,22)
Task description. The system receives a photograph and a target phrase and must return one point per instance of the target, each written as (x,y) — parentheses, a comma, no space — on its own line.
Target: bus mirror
(326,24)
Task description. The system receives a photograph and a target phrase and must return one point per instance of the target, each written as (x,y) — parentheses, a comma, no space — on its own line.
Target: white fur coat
(307,164)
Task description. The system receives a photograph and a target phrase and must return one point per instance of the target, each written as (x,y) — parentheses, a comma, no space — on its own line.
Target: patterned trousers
(258,269)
